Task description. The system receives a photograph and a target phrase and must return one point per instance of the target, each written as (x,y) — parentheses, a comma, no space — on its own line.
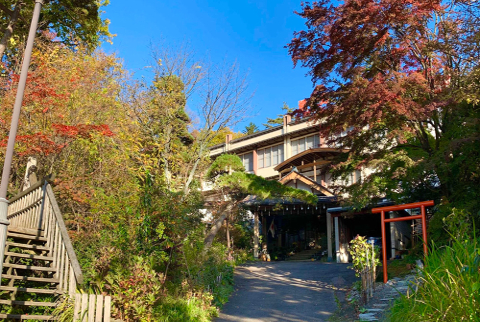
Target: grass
(450,289)
(395,268)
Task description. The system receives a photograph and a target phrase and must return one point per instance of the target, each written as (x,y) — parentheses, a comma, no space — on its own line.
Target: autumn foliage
(393,82)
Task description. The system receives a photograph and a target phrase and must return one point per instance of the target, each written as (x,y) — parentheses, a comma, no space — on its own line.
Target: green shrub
(209,270)
(179,309)
(450,286)
(135,291)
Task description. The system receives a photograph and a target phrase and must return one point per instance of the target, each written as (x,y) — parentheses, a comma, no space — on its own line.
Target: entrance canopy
(309,158)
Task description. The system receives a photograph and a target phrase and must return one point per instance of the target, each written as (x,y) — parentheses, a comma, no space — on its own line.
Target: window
(260,158)
(247,160)
(294,147)
(274,155)
(301,145)
(309,142)
(271,156)
(280,153)
(267,157)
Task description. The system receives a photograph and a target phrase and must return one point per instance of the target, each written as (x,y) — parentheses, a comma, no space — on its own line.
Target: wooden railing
(25,209)
(35,211)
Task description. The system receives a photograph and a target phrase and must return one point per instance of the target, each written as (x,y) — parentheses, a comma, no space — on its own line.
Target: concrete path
(286,291)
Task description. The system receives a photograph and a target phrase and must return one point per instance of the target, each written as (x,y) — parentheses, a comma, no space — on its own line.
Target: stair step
(27,317)
(29,267)
(22,236)
(30,290)
(31,256)
(29,278)
(25,231)
(27,246)
(27,303)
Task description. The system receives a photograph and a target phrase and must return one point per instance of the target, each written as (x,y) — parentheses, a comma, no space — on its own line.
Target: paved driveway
(286,291)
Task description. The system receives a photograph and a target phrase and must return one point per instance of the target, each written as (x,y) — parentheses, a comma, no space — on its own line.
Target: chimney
(301,104)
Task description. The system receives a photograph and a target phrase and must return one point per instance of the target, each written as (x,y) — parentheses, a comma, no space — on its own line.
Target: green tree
(232,184)
(164,125)
(72,21)
(250,129)
(279,119)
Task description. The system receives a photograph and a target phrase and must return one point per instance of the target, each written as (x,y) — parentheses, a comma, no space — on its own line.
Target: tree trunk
(225,210)
(228,233)
(9,30)
(191,176)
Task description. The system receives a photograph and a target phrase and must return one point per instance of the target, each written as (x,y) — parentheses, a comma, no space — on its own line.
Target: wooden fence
(92,308)
(369,274)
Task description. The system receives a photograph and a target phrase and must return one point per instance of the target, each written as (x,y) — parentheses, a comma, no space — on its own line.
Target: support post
(329,236)
(228,233)
(256,234)
(337,240)
(393,236)
(384,248)
(424,230)
(13,130)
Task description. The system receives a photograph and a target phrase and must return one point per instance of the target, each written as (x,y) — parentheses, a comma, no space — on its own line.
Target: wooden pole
(256,234)
(13,131)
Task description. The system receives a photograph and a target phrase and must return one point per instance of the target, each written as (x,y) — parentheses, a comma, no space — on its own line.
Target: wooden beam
(308,165)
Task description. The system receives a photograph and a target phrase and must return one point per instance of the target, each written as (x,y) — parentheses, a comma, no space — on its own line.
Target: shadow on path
(286,291)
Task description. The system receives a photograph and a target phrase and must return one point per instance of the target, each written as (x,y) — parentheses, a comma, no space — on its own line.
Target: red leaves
(343,37)
(38,144)
(51,143)
(81,130)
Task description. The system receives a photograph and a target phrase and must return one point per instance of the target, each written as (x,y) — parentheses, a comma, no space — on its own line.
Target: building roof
(268,140)
(255,201)
(294,175)
(309,158)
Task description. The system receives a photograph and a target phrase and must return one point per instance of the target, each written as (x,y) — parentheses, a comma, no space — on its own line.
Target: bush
(450,286)
(209,270)
(136,291)
(178,309)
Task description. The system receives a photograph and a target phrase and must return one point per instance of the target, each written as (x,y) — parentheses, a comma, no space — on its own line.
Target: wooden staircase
(40,264)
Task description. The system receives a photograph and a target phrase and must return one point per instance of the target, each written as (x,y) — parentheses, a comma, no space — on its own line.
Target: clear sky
(252,33)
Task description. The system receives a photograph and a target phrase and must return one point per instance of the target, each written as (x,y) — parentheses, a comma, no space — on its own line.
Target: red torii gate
(422,216)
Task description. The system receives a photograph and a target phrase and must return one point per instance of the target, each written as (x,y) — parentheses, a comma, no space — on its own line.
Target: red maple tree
(390,73)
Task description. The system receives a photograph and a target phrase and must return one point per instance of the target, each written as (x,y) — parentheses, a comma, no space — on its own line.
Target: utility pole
(13,131)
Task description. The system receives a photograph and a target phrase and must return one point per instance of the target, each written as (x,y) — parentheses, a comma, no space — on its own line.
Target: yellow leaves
(12,42)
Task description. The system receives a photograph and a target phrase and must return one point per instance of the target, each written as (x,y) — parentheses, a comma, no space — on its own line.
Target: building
(297,155)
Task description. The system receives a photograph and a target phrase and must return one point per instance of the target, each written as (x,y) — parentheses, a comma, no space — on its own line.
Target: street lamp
(13,131)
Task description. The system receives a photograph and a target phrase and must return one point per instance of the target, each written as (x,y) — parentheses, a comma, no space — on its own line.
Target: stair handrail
(33,187)
(48,191)
(66,238)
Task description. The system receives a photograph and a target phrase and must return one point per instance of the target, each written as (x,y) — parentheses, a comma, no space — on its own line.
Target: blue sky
(251,33)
